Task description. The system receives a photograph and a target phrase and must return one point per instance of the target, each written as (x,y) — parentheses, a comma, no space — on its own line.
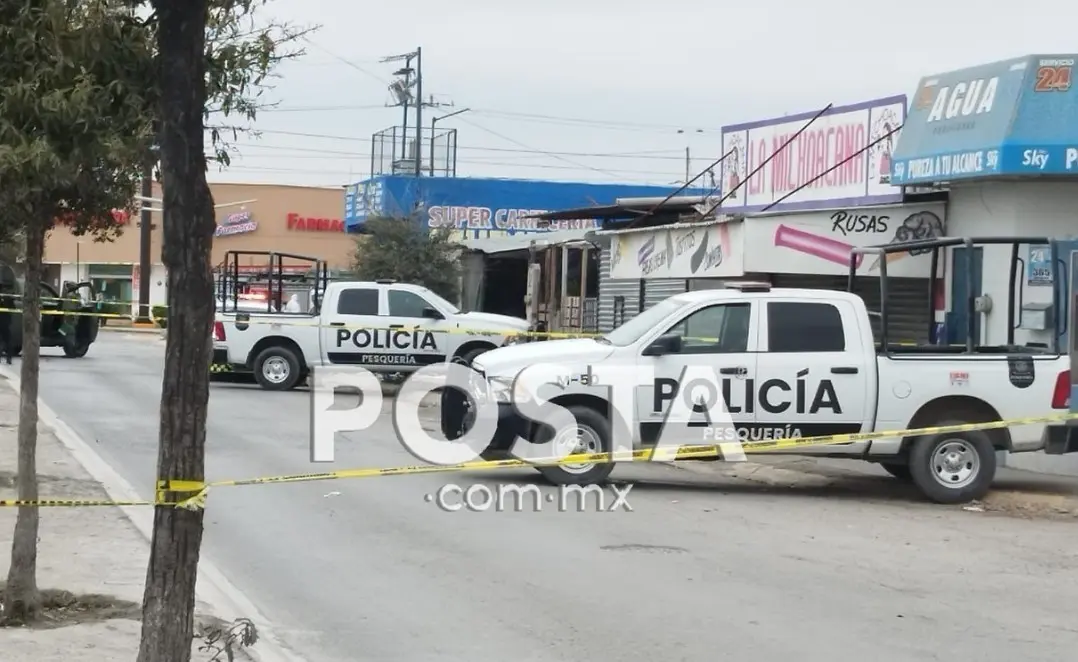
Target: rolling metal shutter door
(619,299)
(660,289)
(908,300)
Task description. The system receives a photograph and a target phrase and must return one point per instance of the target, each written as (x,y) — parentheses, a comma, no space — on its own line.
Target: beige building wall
(269,208)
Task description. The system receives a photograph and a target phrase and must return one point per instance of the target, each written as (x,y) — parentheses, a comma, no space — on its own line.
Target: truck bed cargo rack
(230,271)
(935,246)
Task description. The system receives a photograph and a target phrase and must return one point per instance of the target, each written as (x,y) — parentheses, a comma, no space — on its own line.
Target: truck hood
(509,361)
(491,322)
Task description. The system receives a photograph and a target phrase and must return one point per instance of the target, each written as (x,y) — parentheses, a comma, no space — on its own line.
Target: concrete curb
(213,586)
(132,329)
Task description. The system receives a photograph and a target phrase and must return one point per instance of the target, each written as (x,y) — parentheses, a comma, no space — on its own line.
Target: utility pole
(688,164)
(145,244)
(401,88)
(419,111)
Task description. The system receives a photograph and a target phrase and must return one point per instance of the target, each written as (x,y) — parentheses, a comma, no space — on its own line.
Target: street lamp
(433,122)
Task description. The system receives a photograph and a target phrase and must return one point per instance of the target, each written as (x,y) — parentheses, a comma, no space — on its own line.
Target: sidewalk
(91,562)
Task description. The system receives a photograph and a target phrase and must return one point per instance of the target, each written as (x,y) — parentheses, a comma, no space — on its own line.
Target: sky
(605,91)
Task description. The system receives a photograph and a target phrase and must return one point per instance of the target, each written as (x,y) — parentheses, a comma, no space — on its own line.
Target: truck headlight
(501,389)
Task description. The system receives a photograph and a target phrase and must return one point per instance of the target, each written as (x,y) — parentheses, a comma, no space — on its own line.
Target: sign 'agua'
(972,98)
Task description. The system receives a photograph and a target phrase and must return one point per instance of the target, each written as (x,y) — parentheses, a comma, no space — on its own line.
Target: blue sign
(1015,117)
(486,207)
(1039,265)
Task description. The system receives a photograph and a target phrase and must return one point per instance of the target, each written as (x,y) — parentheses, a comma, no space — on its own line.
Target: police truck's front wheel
(277,369)
(590,434)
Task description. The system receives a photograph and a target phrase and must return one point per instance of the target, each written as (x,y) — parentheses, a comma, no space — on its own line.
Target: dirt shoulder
(1015,493)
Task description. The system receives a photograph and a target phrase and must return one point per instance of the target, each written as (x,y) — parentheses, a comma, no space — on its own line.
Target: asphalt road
(704,568)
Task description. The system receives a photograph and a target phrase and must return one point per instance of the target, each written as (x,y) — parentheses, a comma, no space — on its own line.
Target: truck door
(346,335)
(720,337)
(417,329)
(813,374)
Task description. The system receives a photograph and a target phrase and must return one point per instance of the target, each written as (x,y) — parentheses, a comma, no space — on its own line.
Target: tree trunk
(22,602)
(169,600)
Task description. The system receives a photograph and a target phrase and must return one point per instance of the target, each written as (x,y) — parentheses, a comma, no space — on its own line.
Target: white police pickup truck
(382,326)
(791,363)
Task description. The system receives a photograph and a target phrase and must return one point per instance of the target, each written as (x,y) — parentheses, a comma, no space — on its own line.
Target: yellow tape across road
(197,491)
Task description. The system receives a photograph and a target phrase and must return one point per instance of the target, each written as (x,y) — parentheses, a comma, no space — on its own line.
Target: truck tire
(468,357)
(76,350)
(953,467)
(899,471)
(593,432)
(277,369)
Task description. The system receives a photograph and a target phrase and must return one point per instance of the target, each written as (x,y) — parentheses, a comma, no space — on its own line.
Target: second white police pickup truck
(382,326)
(791,363)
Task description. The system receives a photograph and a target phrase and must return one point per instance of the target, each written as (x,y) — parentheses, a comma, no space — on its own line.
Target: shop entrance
(506,285)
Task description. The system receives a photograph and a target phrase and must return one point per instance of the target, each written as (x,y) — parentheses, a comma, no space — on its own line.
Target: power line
(346,61)
(508,164)
(557,120)
(343,177)
(550,154)
(647,155)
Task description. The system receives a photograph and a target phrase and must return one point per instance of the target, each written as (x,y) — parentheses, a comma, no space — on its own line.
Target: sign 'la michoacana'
(297,222)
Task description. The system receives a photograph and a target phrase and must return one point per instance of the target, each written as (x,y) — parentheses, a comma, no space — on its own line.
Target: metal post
(688,165)
(145,236)
(418,111)
(78,262)
(433,122)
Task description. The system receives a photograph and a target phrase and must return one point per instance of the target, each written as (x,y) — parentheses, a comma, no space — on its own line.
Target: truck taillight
(1061,396)
(218,332)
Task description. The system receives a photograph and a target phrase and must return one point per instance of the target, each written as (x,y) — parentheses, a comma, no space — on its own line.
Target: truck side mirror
(665,344)
(432,314)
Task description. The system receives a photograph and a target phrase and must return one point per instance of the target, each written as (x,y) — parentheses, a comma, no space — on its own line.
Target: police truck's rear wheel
(953,467)
(277,369)
(590,434)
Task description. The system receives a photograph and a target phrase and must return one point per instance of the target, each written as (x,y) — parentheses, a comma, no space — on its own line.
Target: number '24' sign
(1039,266)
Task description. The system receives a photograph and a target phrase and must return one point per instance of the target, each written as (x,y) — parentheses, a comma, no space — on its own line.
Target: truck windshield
(634,329)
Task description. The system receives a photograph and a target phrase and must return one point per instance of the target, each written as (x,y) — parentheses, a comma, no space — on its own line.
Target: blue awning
(1010,118)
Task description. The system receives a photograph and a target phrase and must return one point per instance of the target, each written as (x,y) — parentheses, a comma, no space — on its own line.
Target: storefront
(791,222)
(257,217)
(496,219)
(642,267)
(812,249)
(1003,137)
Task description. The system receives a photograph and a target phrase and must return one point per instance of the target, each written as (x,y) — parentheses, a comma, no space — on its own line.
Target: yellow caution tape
(198,490)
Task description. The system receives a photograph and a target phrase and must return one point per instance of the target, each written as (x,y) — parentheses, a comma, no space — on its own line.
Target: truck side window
(722,329)
(403,303)
(358,301)
(798,326)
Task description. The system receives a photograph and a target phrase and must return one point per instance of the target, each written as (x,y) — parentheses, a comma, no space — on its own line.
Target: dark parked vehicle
(67,319)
